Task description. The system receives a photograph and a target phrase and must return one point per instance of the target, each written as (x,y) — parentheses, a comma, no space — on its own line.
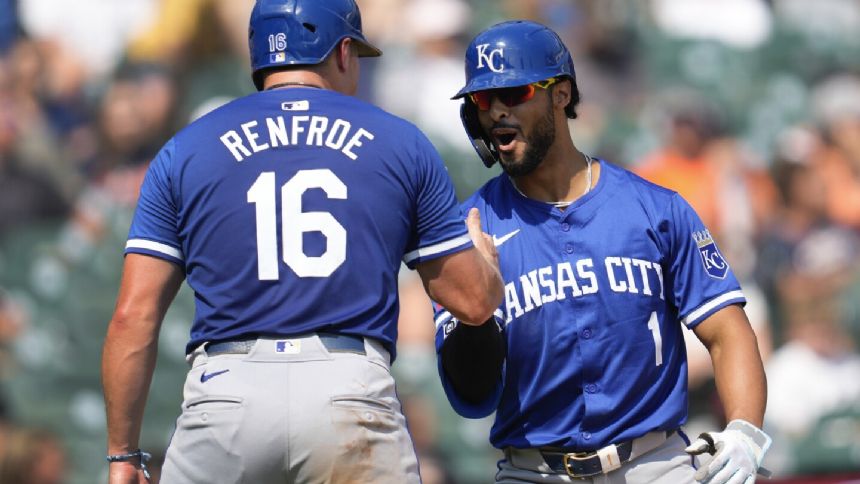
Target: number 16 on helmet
(301,32)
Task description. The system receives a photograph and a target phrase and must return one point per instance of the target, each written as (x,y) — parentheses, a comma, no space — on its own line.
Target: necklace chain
(588,182)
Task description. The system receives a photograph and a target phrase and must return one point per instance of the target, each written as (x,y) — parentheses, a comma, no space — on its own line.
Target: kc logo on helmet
(490,58)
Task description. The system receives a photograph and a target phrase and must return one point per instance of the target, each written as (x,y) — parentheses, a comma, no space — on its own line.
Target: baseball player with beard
(584,362)
(289,212)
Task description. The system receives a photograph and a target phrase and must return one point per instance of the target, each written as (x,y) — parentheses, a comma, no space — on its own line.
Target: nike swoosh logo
(206,377)
(497,241)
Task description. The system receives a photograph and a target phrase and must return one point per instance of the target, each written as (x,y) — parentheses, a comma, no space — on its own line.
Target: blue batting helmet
(514,53)
(301,32)
(510,54)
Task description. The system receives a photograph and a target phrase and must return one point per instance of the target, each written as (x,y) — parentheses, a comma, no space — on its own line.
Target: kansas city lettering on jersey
(254,137)
(555,283)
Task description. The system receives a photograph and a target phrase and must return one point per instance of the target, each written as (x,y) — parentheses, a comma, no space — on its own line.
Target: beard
(539,142)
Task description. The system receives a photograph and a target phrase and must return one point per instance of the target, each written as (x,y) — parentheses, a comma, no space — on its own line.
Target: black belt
(335,343)
(585,464)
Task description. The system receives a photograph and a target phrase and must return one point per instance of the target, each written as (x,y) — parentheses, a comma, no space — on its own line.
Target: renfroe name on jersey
(549,284)
(255,136)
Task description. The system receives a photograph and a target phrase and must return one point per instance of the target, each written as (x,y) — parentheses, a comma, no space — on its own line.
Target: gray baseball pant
(290,411)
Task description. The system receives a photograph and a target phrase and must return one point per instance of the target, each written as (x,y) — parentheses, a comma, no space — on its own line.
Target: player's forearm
(740,378)
(494,295)
(465,284)
(128,362)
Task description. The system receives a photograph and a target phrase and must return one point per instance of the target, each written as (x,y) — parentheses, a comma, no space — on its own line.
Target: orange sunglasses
(509,96)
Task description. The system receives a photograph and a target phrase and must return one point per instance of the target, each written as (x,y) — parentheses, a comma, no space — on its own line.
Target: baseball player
(289,212)
(584,362)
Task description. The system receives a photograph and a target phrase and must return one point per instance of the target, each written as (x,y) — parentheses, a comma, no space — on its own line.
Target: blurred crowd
(748,108)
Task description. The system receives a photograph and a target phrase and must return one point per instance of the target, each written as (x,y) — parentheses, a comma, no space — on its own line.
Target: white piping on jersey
(444,315)
(436,248)
(441,318)
(704,308)
(156,246)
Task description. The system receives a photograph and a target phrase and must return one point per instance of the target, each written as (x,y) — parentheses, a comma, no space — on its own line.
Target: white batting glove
(738,451)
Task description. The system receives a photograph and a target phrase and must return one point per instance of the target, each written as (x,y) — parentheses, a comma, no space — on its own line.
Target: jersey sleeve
(445,324)
(154,227)
(440,228)
(701,281)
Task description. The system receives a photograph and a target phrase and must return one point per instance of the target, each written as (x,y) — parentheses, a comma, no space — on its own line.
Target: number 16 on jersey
(295,222)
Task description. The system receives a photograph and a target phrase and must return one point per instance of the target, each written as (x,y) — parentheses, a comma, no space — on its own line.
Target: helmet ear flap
(482,144)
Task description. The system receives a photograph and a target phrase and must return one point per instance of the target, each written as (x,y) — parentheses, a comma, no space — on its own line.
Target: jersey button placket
(567,247)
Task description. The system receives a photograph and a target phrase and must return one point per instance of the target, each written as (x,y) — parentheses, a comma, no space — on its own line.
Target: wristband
(142,455)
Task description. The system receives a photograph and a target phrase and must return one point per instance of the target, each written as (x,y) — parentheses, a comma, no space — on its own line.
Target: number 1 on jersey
(654,326)
(294,223)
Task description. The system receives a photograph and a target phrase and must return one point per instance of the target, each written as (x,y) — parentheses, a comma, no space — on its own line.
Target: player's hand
(125,473)
(483,241)
(738,451)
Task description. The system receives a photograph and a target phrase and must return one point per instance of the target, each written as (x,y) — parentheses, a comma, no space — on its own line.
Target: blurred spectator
(814,376)
(836,107)
(134,121)
(815,372)
(24,79)
(602,40)
(681,164)
(32,456)
(25,197)
(804,256)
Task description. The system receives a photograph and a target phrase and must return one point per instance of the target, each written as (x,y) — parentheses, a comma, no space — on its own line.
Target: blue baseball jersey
(595,296)
(291,210)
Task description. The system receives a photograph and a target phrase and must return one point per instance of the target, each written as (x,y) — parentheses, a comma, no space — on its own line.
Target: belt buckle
(577,456)
(608,461)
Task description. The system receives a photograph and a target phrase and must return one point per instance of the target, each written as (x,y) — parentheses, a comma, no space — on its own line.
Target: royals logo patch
(715,265)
